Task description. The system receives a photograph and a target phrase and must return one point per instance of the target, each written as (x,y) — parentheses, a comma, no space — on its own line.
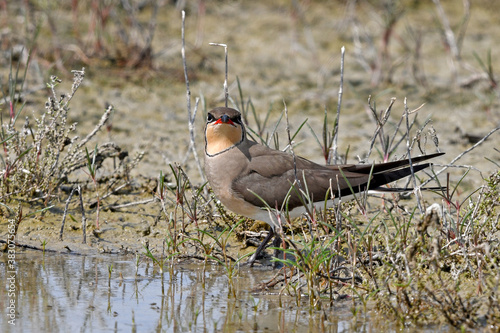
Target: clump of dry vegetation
(40,154)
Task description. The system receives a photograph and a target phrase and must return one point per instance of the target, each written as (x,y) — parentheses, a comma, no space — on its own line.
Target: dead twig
(226,93)
(84,219)
(66,213)
(339,104)
(130,204)
(462,154)
(191,116)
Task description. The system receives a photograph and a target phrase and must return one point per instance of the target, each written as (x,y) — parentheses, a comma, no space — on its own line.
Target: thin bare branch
(103,120)
(65,213)
(84,219)
(380,123)
(464,153)
(339,104)
(408,150)
(226,93)
(130,204)
(191,115)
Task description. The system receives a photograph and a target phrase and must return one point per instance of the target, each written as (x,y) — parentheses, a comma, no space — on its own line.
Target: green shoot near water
(230,264)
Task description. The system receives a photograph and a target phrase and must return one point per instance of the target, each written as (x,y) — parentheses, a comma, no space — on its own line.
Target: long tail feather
(382,167)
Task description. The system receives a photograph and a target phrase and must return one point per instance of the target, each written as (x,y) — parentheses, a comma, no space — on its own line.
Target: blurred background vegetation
(431,52)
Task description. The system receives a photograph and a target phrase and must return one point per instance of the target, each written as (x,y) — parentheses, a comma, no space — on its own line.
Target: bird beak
(225,120)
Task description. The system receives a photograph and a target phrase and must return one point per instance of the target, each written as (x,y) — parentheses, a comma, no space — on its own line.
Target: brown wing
(271,173)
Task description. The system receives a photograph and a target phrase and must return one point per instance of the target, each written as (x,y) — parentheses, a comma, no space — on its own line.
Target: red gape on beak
(225,119)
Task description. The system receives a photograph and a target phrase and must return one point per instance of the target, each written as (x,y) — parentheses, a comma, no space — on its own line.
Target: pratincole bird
(249,178)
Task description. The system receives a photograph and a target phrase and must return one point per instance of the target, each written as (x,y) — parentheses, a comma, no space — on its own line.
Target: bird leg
(276,245)
(261,247)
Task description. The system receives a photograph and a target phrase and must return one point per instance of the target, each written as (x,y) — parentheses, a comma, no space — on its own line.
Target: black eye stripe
(235,119)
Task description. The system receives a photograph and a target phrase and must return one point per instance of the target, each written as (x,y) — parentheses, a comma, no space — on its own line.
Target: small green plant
(230,265)
(255,303)
(310,258)
(327,138)
(43,243)
(168,254)
(259,134)
(195,315)
(188,201)
(110,271)
(487,68)
(137,260)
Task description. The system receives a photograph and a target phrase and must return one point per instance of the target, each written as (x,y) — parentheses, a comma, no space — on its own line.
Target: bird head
(224,130)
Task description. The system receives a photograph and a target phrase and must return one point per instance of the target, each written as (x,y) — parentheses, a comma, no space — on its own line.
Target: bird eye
(210,118)
(237,119)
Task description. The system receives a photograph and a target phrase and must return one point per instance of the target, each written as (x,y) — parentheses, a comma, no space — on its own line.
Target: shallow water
(67,293)
(64,293)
